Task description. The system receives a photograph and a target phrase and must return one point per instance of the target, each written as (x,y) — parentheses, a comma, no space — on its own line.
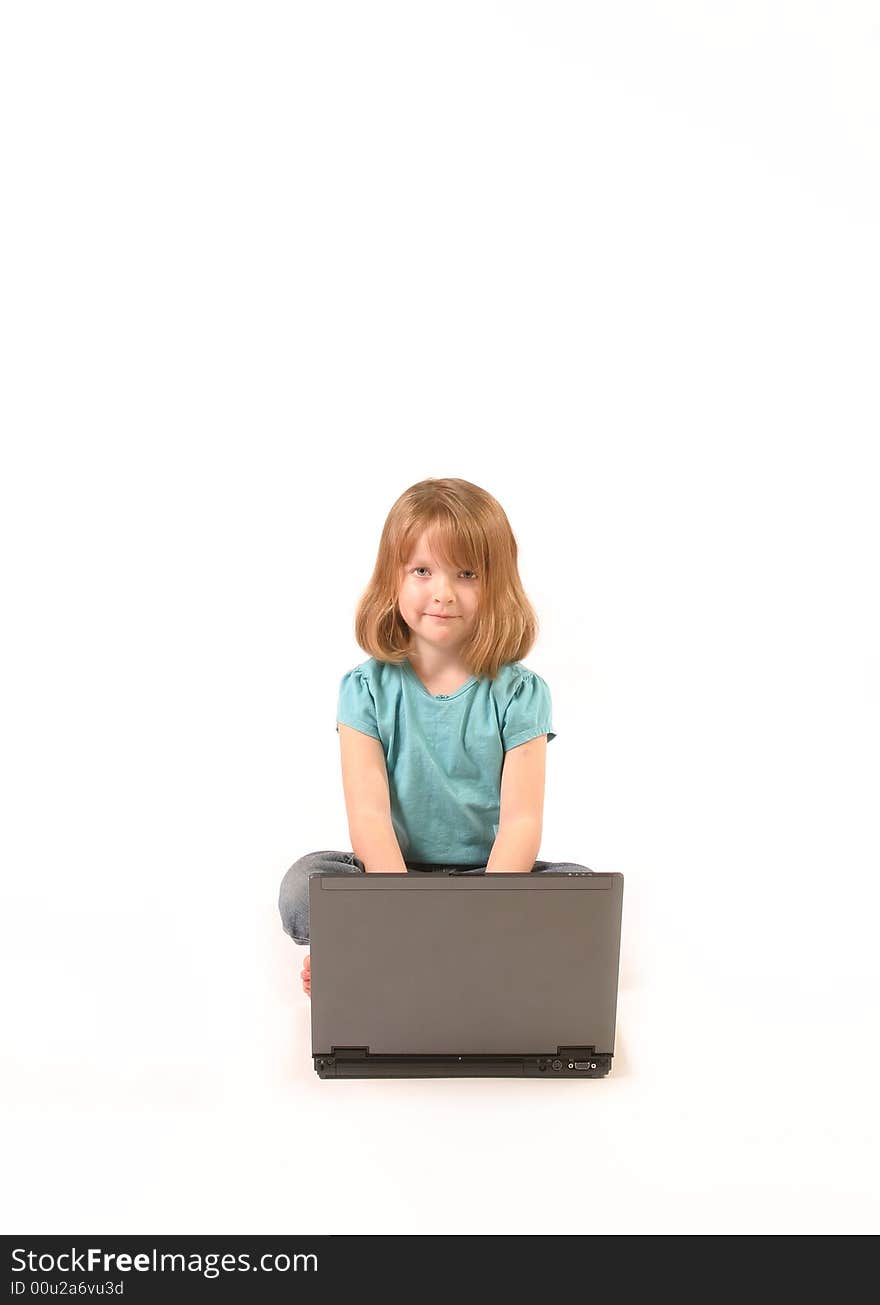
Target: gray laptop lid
(445,964)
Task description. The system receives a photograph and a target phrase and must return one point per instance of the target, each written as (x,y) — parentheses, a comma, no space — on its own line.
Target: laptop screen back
(443,964)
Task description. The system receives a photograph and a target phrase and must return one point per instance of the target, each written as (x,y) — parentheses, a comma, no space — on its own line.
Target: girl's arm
(374,842)
(368,802)
(515,849)
(520,824)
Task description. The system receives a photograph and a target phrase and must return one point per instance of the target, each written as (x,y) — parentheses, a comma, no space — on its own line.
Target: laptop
(448,975)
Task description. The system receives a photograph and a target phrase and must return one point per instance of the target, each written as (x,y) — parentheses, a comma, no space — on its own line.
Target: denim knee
(293,896)
(559,868)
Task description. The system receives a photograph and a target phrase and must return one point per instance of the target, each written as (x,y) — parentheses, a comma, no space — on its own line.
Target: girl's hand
(306,975)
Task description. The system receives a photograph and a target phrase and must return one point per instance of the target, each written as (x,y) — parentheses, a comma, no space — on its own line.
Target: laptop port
(584,1064)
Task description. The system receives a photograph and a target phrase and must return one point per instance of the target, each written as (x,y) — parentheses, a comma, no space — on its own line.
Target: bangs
(449,542)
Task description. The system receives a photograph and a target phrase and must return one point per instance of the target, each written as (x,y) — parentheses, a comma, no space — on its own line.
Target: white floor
(186,1102)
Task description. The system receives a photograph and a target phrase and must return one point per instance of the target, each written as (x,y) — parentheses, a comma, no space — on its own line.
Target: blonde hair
(469,528)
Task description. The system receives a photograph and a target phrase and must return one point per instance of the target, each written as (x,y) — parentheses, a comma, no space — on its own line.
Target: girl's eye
(473,574)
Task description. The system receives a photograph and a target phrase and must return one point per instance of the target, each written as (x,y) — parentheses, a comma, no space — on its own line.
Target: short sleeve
(529,712)
(356,706)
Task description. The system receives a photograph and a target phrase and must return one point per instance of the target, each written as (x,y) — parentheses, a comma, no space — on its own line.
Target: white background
(263,267)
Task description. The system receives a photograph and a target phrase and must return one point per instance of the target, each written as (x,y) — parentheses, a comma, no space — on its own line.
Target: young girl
(443,732)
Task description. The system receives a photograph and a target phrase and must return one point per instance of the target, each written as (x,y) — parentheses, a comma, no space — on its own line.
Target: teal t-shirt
(444,752)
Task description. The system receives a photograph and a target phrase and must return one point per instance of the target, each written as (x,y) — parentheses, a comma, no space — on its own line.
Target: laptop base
(565,1062)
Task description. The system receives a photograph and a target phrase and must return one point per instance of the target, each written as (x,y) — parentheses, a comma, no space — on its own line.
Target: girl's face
(439,604)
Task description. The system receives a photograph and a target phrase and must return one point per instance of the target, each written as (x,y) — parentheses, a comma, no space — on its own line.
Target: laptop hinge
(356,1062)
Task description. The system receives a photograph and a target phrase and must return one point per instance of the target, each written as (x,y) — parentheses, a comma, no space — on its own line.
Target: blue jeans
(293,899)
